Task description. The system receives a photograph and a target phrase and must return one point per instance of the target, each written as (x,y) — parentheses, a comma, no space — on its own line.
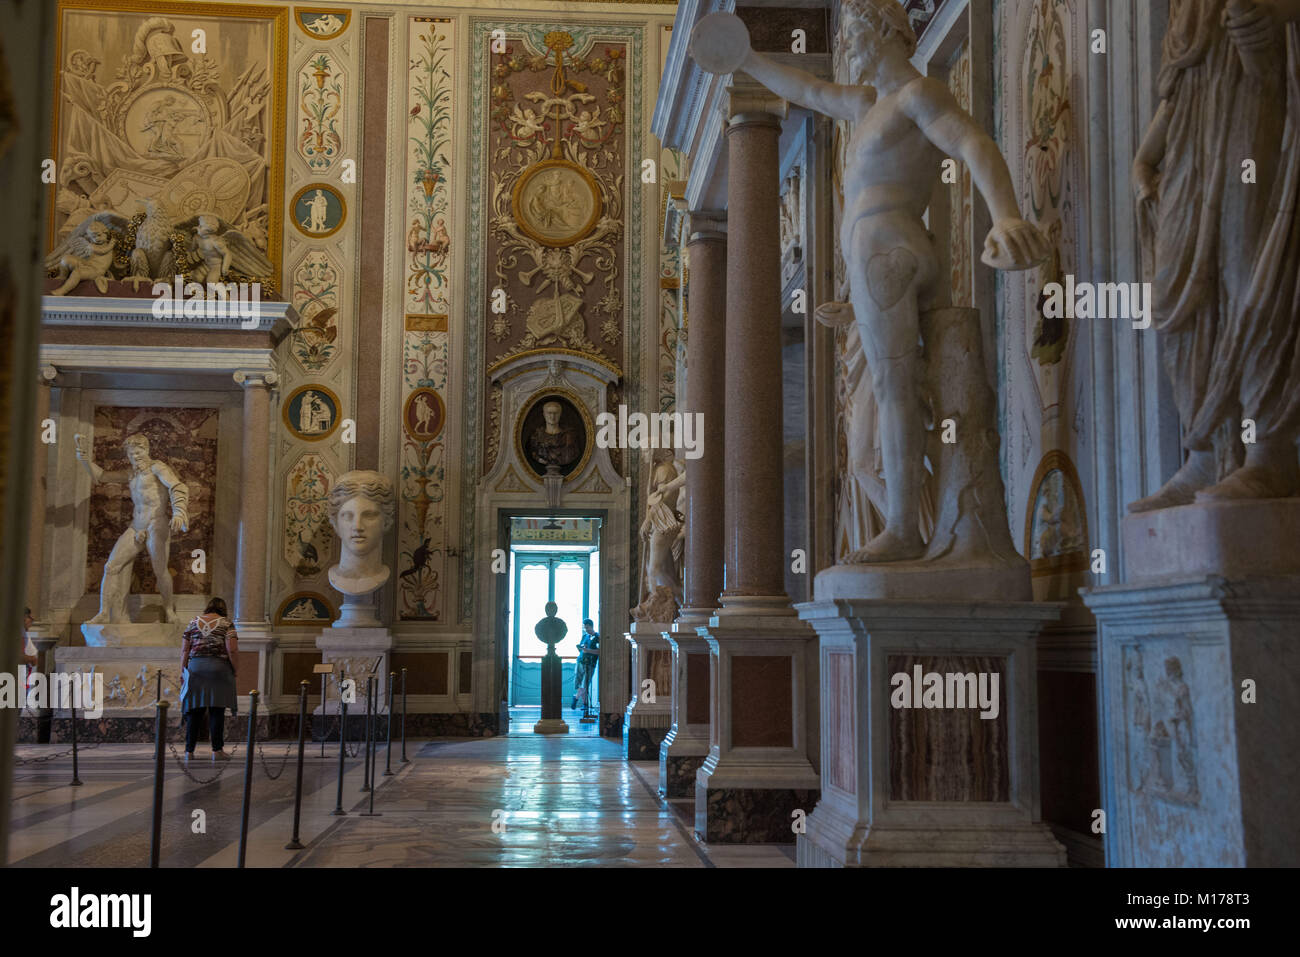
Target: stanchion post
(160,742)
(405,759)
(158,696)
(388,748)
(365,770)
(343,747)
(295,844)
(248,776)
(72,713)
(324,723)
(373,752)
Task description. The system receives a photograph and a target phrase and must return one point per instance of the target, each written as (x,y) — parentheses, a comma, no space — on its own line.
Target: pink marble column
(250,574)
(754,549)
(706,387)
(36,519)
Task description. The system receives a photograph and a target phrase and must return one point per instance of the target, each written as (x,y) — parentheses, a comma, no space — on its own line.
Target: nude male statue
(904,125)
(153,486)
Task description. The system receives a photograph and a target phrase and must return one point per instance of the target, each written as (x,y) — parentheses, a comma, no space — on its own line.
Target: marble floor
(514,800)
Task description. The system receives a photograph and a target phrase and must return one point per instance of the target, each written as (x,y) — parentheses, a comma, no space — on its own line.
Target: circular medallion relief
(556,202)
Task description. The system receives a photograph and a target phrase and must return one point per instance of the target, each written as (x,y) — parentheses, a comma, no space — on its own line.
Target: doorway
(556,559)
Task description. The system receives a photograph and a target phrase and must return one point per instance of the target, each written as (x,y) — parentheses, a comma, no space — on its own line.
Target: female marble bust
(362,507)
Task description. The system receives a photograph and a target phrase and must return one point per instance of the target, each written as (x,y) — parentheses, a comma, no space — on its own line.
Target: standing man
(589,655)
(153,486)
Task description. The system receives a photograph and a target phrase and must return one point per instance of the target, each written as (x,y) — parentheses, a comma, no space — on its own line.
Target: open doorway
(551,559)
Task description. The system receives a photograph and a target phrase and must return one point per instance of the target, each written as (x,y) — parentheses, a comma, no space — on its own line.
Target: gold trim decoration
(573,399)
(292,426)
(304,622)
(1073,561)
(599,360)
(278,18)
(343,210)
(417,323)
(523,207)
(438,404)
(345,14)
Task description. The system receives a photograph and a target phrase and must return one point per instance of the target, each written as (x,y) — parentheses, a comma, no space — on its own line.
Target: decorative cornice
(155,358)
(271,316)
(599,368)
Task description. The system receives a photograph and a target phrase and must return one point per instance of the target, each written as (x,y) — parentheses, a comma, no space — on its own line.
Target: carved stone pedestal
(686,745)
(1200,675)
(913,776)
(151,634)
(353,652)
(758,775)
(650,712)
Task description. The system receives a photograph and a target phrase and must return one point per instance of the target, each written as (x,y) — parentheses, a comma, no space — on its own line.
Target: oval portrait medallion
(424,415)
(556,202)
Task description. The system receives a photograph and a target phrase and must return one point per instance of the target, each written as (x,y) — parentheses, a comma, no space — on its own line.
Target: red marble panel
(426,672)
(697,688)
(762,702)
(843,770)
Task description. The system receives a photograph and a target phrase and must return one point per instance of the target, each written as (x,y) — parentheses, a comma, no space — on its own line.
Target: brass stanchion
(388,748)
(248,776)
(343,747)
(365,771)
(372,682)
(72,713)
(295,844)
(405,759)
(160,738)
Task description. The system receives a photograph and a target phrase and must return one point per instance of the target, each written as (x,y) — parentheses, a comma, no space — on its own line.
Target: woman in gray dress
(209,650)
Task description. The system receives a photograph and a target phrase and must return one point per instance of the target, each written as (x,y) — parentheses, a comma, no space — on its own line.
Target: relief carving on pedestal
(1161,726)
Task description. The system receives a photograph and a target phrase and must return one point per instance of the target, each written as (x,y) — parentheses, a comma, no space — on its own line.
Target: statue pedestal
(128,635)
(1197,776)
(353,652)
(650,712)
(359,612)
(757,774)
(686,745)
(552,721)
(918,779)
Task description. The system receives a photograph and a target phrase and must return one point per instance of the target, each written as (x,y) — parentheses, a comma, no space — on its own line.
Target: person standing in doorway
(589,655)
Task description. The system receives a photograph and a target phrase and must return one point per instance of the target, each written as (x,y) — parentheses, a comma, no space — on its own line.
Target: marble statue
(362,507)
(88,254)
(153,486)
(904,125)
(1220,245)
(210,248)
(550,629)
(664,534)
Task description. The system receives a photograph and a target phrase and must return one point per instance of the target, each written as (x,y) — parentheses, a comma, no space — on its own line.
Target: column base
(743,815)
(686,745)
(551,726)
(834,841)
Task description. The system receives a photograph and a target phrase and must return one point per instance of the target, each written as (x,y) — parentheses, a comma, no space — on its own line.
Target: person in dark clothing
(589,655)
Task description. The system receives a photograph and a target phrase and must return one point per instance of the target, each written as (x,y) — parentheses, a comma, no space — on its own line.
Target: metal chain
(180,762)
(285,760)
(60,754)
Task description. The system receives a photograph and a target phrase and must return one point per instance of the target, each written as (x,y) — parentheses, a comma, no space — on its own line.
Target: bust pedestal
(1199,765)
(552,721)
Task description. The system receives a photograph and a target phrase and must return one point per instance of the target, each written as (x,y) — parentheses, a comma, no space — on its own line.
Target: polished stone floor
(515,800)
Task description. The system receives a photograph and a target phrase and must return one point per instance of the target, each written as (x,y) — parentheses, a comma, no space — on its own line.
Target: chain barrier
(60,754)
(283,761)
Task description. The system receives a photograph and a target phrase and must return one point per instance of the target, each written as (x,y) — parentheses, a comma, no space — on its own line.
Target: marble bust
(551,629)
(362,507)
(552,444)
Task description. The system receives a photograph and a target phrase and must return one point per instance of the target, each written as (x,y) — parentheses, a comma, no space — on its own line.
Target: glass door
(539,577)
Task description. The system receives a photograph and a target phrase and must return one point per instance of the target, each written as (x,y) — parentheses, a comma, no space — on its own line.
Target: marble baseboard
(677,775)
(611,724)
(750,815)
(141,730)
(642,744)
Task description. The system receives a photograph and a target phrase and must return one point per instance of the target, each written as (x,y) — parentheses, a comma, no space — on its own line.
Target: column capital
(749,102)
(257,377)
(48,373)
(706,224)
